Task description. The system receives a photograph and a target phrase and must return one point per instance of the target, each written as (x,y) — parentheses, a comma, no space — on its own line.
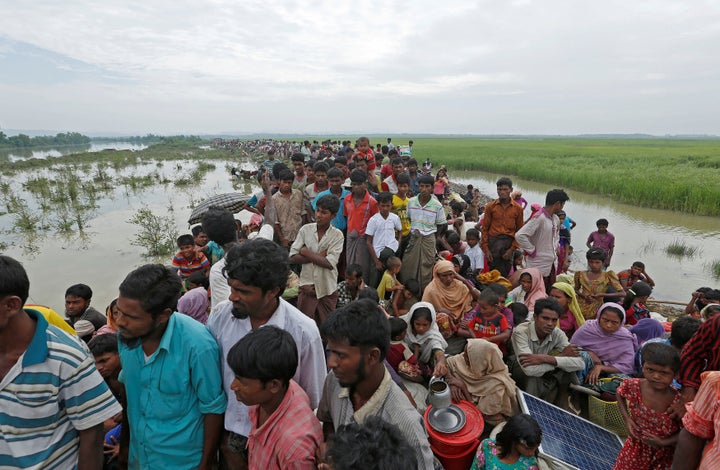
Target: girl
(571,318)
(595,286)
(643,403)
(514,448)
(441,182)
(424,339)
(634,302)
(531,288)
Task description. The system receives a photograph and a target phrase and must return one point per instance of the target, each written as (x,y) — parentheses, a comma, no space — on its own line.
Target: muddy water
(21,154)
(641,234)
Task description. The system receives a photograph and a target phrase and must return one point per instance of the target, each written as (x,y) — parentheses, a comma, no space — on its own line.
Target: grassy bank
(674,174)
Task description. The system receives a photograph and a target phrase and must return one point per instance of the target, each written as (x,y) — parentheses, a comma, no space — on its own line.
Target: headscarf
(646,329)
(487,377)
(614,349)
(110,327)
(537,289)
(194,304)
(573,305)
(566,278)
(455,298)
(431,339)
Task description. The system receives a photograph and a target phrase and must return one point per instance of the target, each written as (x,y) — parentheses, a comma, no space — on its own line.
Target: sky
(388,67)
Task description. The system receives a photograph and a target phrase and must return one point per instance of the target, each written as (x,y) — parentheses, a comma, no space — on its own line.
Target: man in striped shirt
(52,399)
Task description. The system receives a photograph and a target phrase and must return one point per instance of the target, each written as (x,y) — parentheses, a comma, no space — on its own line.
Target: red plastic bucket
(460,441)
(458,461)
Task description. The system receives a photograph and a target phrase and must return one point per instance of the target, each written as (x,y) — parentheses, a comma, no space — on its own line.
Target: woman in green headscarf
(572,317)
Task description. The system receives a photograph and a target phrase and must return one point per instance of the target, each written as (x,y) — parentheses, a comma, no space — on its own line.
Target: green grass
(715,268)
(680,249)
(675,174)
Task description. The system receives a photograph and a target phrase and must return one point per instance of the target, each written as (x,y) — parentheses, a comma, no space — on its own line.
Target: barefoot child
(389,284)
(643,403)
(488,323)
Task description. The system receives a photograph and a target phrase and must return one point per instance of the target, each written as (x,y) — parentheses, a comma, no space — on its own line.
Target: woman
(608,347)
(572,317)
(424,338)
(448,292)
(480,376)
(530,290)
(441,184)
(594,286)
(110,327)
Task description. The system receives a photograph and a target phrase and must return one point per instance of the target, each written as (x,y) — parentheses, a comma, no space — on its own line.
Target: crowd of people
(307,337)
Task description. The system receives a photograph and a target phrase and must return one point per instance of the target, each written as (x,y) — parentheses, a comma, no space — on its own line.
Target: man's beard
(359,376)
(133,343)
(240,315)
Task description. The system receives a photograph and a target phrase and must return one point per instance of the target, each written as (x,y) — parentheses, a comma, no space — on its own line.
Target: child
(488,323)
(592,286)
(531,288)
(502,294)
(403,301)
(389,283)
(636,273)
(601,238)
(194,303)
(104,349)
(634,303)
(515,447)
(284,431)
(399,208)
(643,403)
(474,252)
(298,163)
(519,311)
(289,210)
(383,236)
(399,351)
(187,260)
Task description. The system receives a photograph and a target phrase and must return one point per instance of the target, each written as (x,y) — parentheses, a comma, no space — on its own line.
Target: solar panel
(571,439)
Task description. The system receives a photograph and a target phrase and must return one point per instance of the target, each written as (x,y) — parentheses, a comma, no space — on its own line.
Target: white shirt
(477,257)
(311,371)
(539,238)
(383,231)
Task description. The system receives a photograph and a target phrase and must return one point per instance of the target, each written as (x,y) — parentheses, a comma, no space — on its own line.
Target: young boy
(474,252)
(389,283)
(399,208)
(398,351)
(284,431)
(601,238)
(320,170)
(383,234)
(187,260)
(317,248)
(290,210)
(488,322)
(212,251)
(636,273)
(406,298)
(298,163)
(359,207)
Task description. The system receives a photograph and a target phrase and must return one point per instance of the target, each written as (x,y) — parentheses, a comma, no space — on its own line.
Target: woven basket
(606,414)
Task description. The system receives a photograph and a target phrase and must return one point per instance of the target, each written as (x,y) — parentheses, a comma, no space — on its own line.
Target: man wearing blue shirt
(171,371)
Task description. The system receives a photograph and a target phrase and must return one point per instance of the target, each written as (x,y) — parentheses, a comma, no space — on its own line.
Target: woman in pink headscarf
(530,290)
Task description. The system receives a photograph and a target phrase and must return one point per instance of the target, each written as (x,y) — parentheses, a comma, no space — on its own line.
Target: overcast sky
(484,67)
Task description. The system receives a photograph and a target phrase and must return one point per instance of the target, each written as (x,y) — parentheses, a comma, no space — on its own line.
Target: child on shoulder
(643,403)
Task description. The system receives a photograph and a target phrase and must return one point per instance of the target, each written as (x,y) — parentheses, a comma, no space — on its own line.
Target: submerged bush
(157,234)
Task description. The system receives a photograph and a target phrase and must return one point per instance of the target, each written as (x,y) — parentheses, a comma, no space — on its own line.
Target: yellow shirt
(53,318)
(399,208)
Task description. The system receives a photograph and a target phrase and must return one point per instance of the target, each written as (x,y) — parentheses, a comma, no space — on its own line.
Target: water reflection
(13,155)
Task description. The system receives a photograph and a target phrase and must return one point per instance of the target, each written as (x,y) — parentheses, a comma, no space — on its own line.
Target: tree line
(24,141)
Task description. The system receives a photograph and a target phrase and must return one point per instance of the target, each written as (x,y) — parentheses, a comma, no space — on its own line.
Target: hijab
(573,304)
(614,349)
(194,304)
(486,377)
(431,339)
(537,289)
(646,329)
(455,298)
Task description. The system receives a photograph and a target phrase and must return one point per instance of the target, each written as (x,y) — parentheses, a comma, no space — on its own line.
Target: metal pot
(439,393)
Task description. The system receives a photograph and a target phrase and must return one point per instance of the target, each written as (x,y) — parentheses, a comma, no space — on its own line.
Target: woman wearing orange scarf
(452,298)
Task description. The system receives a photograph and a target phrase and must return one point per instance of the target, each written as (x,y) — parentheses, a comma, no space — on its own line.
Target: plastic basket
(606,414)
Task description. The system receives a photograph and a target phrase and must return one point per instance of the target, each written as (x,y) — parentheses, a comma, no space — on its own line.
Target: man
(545,362)
(257,272)
(390,183)
(427,223)
(539,237)
(298,163)
(698,444)
(317,248)
(503,218)
(390,145)
(636,273)
(270,162)
(413,175)
(171,372)
(53,402)
(306,150)
(77,306)
(289,210)
(359,386)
